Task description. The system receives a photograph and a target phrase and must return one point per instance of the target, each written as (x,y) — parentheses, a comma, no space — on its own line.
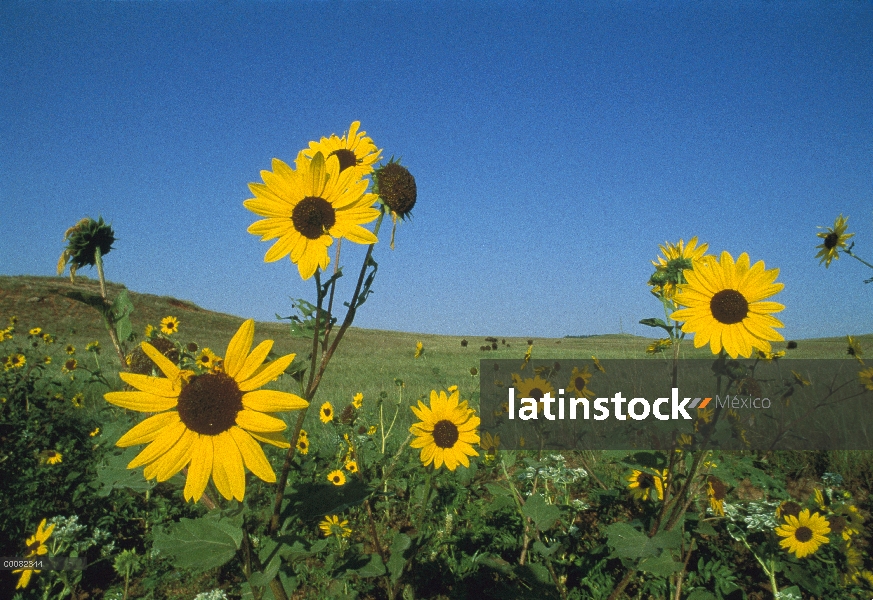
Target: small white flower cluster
(557,472)
(211,595)
(757,516)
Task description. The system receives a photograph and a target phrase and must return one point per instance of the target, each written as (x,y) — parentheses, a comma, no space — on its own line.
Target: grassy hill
(368,360)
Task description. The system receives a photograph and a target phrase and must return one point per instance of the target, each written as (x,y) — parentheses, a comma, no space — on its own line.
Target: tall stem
(107,318)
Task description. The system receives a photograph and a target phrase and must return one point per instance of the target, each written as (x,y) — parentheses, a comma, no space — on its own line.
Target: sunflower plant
(834,241)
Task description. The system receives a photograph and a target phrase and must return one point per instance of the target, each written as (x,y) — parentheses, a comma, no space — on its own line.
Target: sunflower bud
(84,240)
(395,185)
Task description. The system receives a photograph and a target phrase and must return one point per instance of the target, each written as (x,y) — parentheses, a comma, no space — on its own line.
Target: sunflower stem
(107,315)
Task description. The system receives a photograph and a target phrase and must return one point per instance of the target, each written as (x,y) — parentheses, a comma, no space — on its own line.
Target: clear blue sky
(554,145)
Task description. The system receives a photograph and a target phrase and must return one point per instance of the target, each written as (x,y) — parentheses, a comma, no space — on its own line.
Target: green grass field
(516,524)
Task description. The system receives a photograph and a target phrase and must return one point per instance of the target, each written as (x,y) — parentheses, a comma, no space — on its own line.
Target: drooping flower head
(834,239)
(725,306)
(446,432)
(645,486)
(209,422)
(307,207)
(83,241)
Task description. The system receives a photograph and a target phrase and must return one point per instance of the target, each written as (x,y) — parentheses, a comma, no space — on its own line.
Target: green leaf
(661,566)
(199,544)
(546,550)
(498,490)
(397,560)
(544,516)
(374,568)
(627,542)
(701,594)
(114,474)
(123,328)
(540,574)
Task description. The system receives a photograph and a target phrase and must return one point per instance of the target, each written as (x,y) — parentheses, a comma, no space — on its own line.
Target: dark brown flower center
(209,403)
(445,434)
(803,534)
(536,394)
(579,383)
(831,241)
(313,217)
(346,158)
(396,187)
(719,491)
(645,481)
(729,307)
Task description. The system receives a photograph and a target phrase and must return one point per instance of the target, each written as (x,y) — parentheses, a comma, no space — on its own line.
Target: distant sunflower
(303,445)
(419,349)
(677,259)
(70,349)
(834,240)
(331,525)
(358,400)
(803,534)
(52,457)
(597,365)
(307,207)
(169,325)
(854,349)
(644,485)
(446,431)
(351,466)
(35,547)
(579,383)
(70,365)
(717,491)
(207,359)
(325,413)
(217,418)
(355,150)
(658,346)
(337,477)
(725,307)
(533,387)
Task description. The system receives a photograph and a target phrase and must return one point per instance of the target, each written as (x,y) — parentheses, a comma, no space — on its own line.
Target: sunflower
(358,400)
(169,325)
(35,547)
(78,400)
(95,432)
(725,307)
(306,208)
(48,338)
(70,349)
(419,349)
(70,365)
(52,457)
(834,239)
(325,413)
(218,417)
(716,490)
(15,361)
(866,377)
(446,431)
(804,533)
(36,331)
(490,444)
(333,526)
(149,330)
(642,483)
(670,268)
(355,151)
(336,477)
(579,383)
(854,349)
(207,359)
(372,429)
(533,387)
(303,445)
(351,466)
(658,346)
(597,364)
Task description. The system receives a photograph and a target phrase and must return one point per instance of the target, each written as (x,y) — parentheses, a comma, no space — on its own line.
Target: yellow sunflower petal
(161,444)
(141,401)
(148,430)
(159,386)
(254,360)
(253,455)
(253,421)
(227,467)
(267,374)
(238,348)
(273,401)
(272,438)
(200,469)
(163,363)
(176,459)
